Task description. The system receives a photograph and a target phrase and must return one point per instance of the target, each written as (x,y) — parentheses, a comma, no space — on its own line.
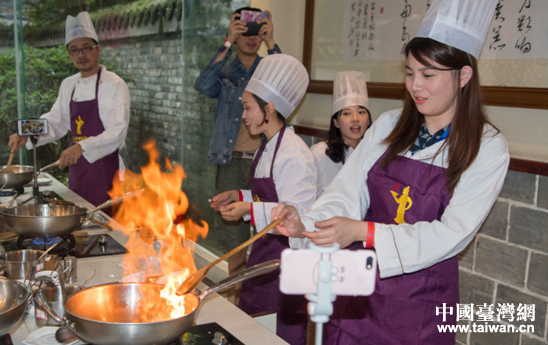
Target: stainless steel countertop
(109,269)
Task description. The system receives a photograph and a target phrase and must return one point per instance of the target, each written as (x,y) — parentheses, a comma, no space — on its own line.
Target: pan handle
(43,304)
(253,271)
(114,201)
(49,166)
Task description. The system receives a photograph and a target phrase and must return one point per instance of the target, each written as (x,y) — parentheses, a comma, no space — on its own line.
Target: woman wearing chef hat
(282,171)
(417,189)
(350,120)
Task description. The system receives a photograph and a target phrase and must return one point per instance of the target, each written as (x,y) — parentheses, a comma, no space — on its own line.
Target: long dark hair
(464,139)
(336,146)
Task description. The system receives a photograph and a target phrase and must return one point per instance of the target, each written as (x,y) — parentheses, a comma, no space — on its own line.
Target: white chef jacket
(406,248)
(325,167)
(294,177)
(114,105)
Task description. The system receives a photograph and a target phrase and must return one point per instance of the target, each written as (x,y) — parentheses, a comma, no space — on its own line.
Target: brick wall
(508,260)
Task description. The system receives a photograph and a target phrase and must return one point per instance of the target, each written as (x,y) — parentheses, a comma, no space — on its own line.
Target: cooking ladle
(7,169)
(194,279)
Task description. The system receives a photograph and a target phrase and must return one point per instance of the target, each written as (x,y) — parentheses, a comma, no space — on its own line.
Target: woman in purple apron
(91,181)
(418,188)
(283,171)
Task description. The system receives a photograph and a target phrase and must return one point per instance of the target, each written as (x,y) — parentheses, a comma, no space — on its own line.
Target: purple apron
(262,294)
(91,181)
(402,310)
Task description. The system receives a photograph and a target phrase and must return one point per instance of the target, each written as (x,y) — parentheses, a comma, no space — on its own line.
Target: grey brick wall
(508,260)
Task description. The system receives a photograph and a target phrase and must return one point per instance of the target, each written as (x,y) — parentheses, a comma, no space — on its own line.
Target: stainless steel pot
(18,263)
(54,297)
(13,302)
(51,219)
(104,314)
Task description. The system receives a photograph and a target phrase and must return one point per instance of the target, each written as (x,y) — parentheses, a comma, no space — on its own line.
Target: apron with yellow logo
(91,181)
(402,310)
(262,294)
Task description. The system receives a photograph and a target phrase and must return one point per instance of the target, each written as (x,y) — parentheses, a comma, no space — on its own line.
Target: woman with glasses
(94,106)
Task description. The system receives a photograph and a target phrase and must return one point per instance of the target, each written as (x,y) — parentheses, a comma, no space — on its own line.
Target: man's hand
(16,142)
(267,31)
(235,28)
(292,225)
(235,211)
(339,230)
(223,199)
(70,156)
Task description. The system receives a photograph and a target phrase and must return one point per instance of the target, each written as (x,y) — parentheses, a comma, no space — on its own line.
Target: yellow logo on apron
(256,198)
(404,202)
(79,123)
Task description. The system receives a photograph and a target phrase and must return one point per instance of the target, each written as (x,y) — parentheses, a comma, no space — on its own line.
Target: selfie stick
(35,191)
(320,305)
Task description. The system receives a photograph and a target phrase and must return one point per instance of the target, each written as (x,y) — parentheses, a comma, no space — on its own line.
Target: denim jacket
(227,83)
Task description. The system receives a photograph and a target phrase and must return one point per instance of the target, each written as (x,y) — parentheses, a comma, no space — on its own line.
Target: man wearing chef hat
(94,106)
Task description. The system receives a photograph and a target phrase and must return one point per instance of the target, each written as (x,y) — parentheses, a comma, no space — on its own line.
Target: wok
(13,302)
(105,314)
(51,220)
(23,174)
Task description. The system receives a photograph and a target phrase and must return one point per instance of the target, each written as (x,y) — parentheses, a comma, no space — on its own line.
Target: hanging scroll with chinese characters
(380,29)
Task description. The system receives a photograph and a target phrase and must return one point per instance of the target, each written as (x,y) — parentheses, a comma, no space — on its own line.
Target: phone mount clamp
(320,305)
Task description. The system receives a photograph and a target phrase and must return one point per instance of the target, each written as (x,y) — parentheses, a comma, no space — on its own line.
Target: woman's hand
(267,31)
(223,199)
(292,225)
(340,230)
(235,211)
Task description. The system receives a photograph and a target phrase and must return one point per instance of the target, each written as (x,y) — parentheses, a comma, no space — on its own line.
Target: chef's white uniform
(325,167)
(114,105)
(407,248)
(294,176)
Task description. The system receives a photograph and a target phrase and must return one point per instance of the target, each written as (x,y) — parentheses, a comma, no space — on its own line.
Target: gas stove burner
(46,241)
(66,247)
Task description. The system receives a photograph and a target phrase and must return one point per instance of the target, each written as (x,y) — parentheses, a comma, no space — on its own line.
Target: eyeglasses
(85,50)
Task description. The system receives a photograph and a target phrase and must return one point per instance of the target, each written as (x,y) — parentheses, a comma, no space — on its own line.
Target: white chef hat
(79,26)
(280,79)
(349,89)
(462,24)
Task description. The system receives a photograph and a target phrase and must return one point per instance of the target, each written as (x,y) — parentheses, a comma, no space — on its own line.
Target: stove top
(97,245)
(78,246)
(208,334)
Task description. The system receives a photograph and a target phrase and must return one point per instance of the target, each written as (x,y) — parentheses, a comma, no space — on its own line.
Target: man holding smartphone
(232,147)
(94,106)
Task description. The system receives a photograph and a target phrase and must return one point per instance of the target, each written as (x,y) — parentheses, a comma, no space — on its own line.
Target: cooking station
(214,309)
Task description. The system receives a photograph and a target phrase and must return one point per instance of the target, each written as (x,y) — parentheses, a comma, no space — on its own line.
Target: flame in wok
(160,213)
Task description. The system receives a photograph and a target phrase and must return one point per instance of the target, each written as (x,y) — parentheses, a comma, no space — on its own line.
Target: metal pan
(13,302)
(102,314)
(51,220)
(22,175)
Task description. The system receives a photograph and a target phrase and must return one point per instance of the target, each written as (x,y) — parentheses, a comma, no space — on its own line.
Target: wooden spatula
(7,169)
(192,280)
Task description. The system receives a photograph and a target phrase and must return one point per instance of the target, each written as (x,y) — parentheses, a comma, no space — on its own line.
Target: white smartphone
(355,272)
(32,127)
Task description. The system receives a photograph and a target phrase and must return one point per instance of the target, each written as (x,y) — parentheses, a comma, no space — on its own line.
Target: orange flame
(159,211)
